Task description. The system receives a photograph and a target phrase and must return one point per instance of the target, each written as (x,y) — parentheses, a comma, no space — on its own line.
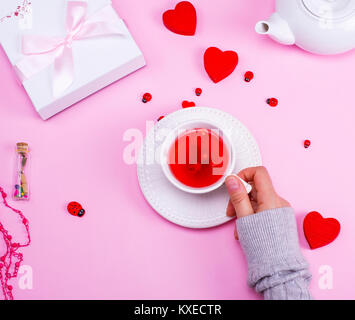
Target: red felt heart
(320,231)
(218,64)
(181,20)
(188,104)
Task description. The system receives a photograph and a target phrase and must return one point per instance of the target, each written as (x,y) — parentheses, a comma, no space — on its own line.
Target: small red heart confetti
(320,231)
(219,64)
(307,143)
(188,104)
(75,209)
(272,102)
(182,20)
(146,97)
(198,91)
(248,76)
(161,117)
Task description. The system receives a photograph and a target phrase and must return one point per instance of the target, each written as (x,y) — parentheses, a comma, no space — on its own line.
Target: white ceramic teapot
(318,26)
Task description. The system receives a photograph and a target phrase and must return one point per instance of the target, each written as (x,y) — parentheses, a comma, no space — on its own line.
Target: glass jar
(21,191)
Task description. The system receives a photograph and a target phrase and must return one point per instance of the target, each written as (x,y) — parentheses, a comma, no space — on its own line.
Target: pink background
(122,249)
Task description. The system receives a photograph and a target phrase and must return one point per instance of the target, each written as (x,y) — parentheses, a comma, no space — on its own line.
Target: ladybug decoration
(75,209)
(272,102)
(146,97)
(307,144)
(248,76)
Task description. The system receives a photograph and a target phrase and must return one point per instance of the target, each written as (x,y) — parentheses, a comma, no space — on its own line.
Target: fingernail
(232,184)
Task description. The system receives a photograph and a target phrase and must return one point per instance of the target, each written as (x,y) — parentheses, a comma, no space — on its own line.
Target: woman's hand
(262,197)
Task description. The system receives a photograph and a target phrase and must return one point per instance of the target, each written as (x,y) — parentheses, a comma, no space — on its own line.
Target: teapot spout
(277,28)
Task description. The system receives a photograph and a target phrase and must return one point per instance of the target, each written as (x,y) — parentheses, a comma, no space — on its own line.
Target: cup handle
(247,186)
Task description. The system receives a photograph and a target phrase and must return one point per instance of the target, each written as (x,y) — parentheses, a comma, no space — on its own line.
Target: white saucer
(185,209)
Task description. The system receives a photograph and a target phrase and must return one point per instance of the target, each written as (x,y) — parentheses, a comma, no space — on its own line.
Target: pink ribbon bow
(41,51)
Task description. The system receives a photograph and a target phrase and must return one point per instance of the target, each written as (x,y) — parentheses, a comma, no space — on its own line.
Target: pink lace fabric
(11,259)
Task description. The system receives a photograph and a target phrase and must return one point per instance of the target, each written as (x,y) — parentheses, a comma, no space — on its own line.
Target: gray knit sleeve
(276,267)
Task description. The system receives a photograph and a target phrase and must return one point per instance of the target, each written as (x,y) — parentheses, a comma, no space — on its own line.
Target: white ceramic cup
(170,140)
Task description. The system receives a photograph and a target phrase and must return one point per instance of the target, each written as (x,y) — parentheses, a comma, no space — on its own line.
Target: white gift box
(96,61)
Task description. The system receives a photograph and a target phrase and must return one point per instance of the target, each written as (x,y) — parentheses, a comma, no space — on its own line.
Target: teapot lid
(330,9)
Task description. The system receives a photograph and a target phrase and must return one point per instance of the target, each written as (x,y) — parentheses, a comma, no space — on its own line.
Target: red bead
(307,143)
(273,102)
(1,265)
(147,97)
(248,76)
(198,91)
(9,287)
(15,245)
(75,209)
(161,117)
(8,275)
(9,237)
(24,220)
(2,258)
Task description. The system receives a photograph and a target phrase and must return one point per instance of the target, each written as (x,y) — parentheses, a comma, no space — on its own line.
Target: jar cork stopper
(22,147)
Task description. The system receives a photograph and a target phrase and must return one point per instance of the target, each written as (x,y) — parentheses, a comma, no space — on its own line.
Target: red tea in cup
(199,157)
